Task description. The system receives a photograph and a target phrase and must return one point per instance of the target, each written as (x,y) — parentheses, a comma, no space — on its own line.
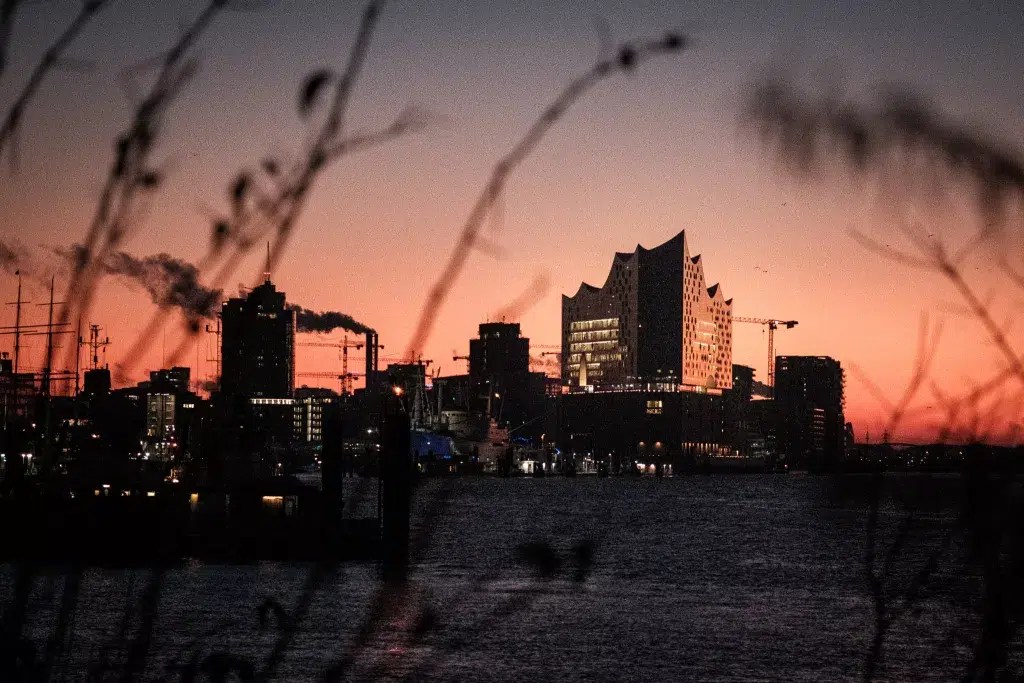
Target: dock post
(396,488)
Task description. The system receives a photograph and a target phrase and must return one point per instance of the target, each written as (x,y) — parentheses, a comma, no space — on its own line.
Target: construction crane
(557,354)
(772,324)
(344,345)
(324,375)
(217,331)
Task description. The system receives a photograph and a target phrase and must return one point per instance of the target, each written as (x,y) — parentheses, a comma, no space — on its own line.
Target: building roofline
(626,256)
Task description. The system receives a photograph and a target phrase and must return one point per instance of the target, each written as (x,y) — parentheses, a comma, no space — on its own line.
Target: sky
(639,158)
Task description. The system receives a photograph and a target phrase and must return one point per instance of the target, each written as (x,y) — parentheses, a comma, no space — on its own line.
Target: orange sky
(641,157)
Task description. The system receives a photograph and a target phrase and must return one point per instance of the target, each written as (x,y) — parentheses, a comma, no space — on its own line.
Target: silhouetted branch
(629,58)
(288,625)
(49,60)
(899,131)
(138,648)
(131,173)
(526,300)
(17,653)
(927,345)
(926,348)
(891,601)
(899,138)
(267,205)
(8,10)
(64,628)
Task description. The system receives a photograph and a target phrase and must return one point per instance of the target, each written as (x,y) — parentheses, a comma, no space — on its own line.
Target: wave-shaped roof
(622,257)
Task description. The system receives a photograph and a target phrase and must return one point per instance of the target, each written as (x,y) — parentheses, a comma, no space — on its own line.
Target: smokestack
(371,358)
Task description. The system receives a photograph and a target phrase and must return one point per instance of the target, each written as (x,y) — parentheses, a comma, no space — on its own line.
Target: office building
(170,413)
(258,345)
(17,392)
(308,413)
(809,402)
(500,377)
(161,440)
(172,379)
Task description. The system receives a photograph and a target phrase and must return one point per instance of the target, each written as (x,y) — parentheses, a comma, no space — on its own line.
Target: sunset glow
(646,154)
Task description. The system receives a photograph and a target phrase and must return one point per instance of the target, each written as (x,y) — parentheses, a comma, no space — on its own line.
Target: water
(693,578)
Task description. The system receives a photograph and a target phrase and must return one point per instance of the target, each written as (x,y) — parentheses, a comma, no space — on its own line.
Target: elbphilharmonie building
(653,324)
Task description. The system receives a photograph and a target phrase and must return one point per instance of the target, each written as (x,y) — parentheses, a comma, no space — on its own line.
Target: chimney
(371,358)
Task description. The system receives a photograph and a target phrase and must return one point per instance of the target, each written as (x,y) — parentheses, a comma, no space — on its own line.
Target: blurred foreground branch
(629,57)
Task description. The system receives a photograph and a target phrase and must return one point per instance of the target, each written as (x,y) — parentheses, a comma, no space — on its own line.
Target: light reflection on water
(694,578)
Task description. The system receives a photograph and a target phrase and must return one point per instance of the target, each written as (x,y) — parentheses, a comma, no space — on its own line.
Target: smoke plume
(327,321)
(170,282)
(514,309)
(16,258)
(8,257)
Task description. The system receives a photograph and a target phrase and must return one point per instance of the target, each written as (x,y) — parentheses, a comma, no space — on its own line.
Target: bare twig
(526,300)
(629,57)
(131,175)
(8,10)
(46,64)
(898,129)
(268,204)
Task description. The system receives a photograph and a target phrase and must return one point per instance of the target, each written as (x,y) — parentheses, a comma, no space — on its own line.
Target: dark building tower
(258,345)
(499,368)
(500,350)
(737,409)
(171,379)
(809,401)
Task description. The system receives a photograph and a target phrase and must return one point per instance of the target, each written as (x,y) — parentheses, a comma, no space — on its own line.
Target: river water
(689,578)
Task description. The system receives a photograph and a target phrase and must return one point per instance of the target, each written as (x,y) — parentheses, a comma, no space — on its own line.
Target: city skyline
(781,247)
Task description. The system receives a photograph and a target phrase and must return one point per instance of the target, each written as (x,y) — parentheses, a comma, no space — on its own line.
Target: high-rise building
(653,322)
(737,409)
(17,392)
(499,371)
(172,379)
(310,405)
(170,413)
(258,345)
(161,440)
(809,400)
(500,350)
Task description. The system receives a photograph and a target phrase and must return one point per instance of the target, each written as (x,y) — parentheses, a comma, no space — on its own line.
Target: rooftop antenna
(266,273)
(95,344)
(78,356)
(17,323)
(47,369)
(216,354)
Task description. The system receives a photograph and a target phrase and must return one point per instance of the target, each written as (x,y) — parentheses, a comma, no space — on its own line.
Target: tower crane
(344,345)
(557,354)
(773,324)
(324,375)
